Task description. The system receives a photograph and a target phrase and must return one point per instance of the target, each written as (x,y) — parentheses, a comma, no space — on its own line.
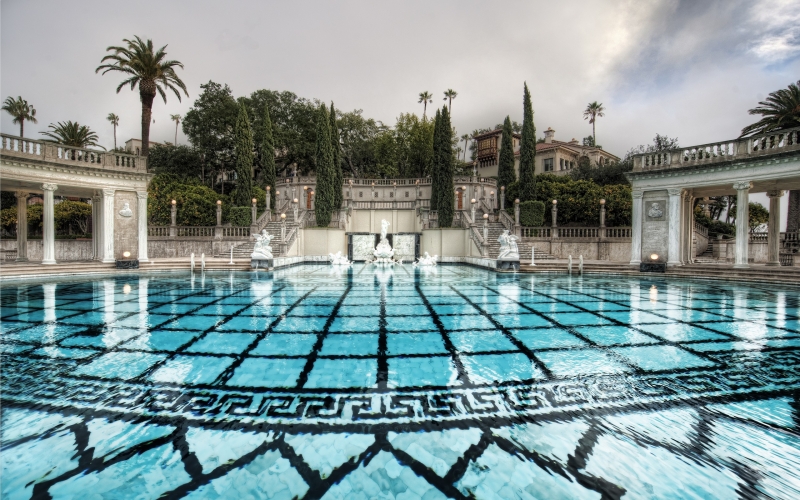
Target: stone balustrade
(27,149)
(771,143)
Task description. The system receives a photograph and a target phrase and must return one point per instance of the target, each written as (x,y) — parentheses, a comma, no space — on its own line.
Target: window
(548,164)
(375,194)
(561,163)
(361,194)
(406,194)
(391,194)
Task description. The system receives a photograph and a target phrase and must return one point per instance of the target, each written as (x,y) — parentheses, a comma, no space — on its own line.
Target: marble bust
(126,210)
(656,212)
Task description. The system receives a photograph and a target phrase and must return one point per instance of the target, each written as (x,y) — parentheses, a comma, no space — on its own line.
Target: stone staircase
(243,250)
(707,257)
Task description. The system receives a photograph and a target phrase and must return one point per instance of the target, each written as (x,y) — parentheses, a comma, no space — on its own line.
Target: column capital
(675,191)
(22,195)
(142,195)
(637,194)
(775,193)
(49,187)
(108,192)
(742,185)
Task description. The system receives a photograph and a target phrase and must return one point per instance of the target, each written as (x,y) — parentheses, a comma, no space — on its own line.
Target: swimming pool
(399,383)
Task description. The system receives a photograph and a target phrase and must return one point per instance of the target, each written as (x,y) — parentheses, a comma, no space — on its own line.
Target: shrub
(531,213)
(75,214)
(196,203)
(720,227)
(239,216)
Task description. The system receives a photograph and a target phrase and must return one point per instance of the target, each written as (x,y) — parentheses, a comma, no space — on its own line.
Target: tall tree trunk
(424,108)
(147,93)
(176,133)
(793,217)
(21,129)
(115,137)
(594,135)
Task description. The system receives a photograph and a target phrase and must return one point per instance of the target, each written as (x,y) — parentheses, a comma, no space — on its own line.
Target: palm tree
(177,120)
(425,98)
(150,70)
(449,95)
(72,134)
(593,111)
(114,119)
(465,138)
(21,111)
(780,110)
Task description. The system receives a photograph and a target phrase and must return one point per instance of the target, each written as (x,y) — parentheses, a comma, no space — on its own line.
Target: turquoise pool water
(399,383)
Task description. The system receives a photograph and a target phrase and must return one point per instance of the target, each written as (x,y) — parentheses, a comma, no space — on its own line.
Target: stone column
(774,228)
(22,226)
(742,223)
(141,197)
(674,230)
(97,227)
(554,214)
(502,197)
(48,225)
(636,228)
(108,226)
(687,232)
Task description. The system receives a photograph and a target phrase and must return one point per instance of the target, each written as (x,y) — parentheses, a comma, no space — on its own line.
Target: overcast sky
(687,69)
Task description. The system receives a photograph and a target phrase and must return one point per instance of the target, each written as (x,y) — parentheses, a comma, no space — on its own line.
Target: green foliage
(338,175)
(209,125)
(8,217)
(505,169)
(7,200)
(444,165)
(326,176)
(240,216)
(720,227)
(70,215)
(414,151)
(196,203)
(265,147)
(243,148)
(781,110)
(181,161)
(579,201)
(72,134)
(758,214)
(20,110)
(435,168)
(527,151)
(531,213)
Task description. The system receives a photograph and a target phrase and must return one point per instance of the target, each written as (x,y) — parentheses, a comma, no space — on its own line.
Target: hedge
(196,203)
(531,213)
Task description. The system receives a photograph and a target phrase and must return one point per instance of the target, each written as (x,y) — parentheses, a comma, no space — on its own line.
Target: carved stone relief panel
(404,247)
(363,246)
(126,225)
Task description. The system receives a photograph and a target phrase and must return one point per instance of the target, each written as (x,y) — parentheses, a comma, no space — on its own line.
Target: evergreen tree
(447,197)
(326,177)
(527,153)
(337,161)
(243,148)
(266,153)
(505,170)
(435,167)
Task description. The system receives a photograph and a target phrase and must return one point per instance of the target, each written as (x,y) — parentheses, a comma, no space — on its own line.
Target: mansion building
(552,156)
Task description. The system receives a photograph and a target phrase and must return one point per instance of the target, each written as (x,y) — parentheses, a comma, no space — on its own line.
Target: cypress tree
(505,170)
(325,175)
(435,166)
(447,197)
(266,153)
(243,148)
(337,161)
(527,153)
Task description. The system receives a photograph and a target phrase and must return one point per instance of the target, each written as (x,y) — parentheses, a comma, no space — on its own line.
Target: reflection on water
(396,382)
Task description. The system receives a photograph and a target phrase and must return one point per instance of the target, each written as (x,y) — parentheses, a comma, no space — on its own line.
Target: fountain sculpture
(262,251)
(339,260)
(509,252)
(426,260)
(384,253)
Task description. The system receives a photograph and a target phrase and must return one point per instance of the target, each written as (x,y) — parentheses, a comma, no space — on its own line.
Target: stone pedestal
(510,263)
(262,263)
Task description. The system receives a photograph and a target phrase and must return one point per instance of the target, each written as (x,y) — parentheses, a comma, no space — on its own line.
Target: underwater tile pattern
(478,385)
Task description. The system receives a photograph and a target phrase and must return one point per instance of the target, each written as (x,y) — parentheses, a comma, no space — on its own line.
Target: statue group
(262,250)
(508,247)
(384,253)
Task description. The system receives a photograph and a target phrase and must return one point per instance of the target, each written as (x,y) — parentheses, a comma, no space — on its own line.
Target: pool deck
(723,272)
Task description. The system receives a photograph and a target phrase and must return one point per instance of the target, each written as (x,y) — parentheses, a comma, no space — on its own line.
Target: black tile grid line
(455,355)
(101,352)
(312,357)
(180,350)
(607,349)
(239,358)
(382,377)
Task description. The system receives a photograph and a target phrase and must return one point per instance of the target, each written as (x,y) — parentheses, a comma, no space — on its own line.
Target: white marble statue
(426,260)
(384,253)
(262,250)
(339,260)
(126,210)
(508,246)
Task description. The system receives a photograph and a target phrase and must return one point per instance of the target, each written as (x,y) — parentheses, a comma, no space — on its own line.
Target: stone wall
(321,241)
(655,225)
(448,242)
(65,249)
(591,249)
(369,221)
(126,225)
